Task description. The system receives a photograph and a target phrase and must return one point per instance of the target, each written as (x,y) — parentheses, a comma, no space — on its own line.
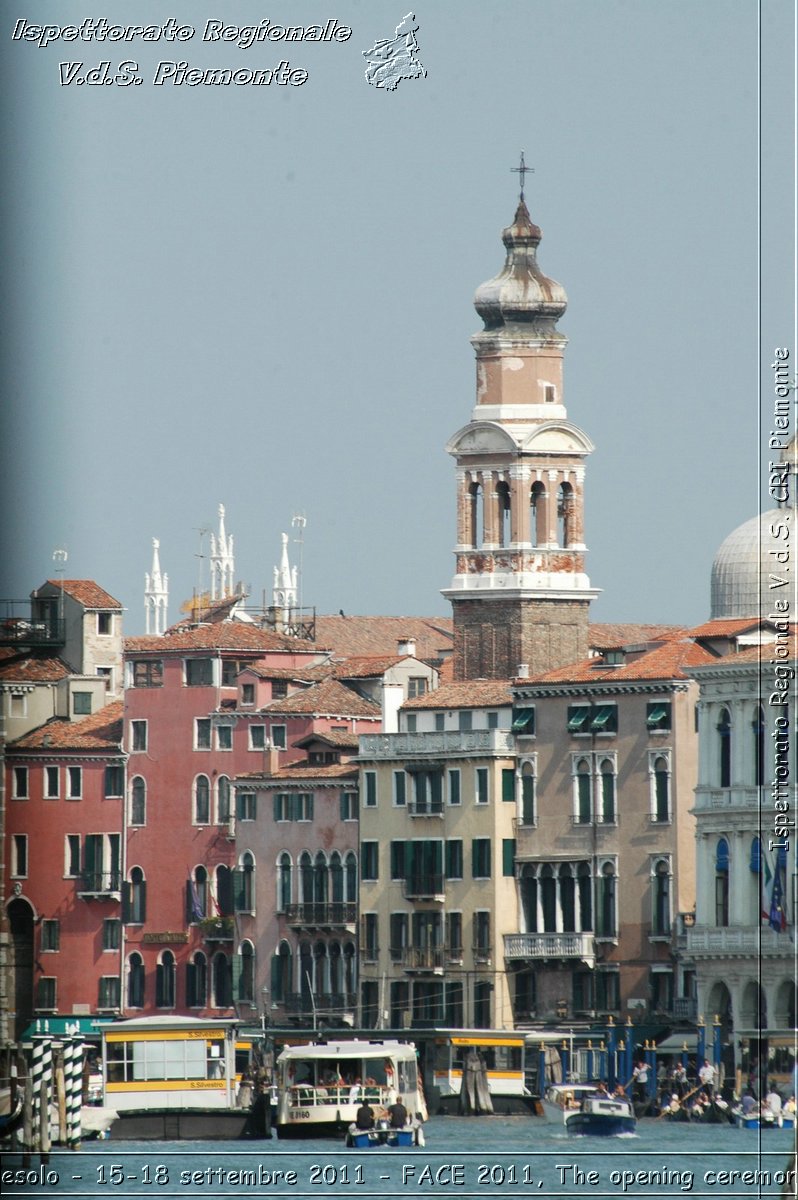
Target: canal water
(513,1157)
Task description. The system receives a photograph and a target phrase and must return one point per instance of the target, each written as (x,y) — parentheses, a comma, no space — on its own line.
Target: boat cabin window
(132,1061)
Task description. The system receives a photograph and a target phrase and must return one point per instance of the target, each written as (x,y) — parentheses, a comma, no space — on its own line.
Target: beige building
(437,850)
(605,836)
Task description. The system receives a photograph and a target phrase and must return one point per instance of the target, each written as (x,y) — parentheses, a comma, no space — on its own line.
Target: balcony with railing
(328,1003)
(449,743)
(714,799)
(100,885)
(425,886)
(550,946)
(746,941)
(425,959)
(21,625)
(425,808)
(336,914)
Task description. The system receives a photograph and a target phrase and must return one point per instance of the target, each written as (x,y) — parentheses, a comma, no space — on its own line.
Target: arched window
(306,878)
(336,878)
(135,981)
(136,895)
(199,894)
(223,800)
(759,747)
(305,976)
(282,973)
(283,882)
(246,978)
(474,504)
(565,514)
(503,522)
(202,800)
(222,981)
(197,981)
(336,969)
(661,899)
(662,797)
(584,885)
(548,899)
(567,898)
(350,867)
(606,901)
(722,883)
(321,983)
(165,981)
(138,802)
(607,792)
(350,969)
(527,794)
(320,878)
(725,740)
(245,883)
(537,514)
(529,897)
(584,799)
(224,890)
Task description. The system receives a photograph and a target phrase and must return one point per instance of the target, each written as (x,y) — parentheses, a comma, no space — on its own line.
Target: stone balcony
(737,941)
(450,743)
(718,799)
(550,946)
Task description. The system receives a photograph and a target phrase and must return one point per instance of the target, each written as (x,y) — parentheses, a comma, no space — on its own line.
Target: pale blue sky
(263,296)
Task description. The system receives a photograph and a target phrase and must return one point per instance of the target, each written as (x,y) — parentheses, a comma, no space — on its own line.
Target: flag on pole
(197,908)
(777,916)
(765,881)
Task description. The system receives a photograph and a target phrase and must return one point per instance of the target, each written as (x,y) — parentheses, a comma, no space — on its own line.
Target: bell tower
(520,594)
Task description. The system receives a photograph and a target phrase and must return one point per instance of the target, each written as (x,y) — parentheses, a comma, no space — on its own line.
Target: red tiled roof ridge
(100,730)
(85,591)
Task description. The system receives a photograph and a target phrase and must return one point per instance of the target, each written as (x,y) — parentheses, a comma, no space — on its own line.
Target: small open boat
(383,1136)
(602,1116)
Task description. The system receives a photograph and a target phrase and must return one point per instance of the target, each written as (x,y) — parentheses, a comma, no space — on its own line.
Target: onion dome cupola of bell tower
(520,593)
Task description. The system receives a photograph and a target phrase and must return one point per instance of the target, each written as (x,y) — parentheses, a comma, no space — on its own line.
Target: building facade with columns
(520,592)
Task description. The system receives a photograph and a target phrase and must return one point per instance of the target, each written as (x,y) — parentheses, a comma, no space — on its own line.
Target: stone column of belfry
(531,605)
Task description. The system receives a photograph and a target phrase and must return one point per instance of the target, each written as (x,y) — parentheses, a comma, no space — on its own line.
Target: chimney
(406,646)
(522,671)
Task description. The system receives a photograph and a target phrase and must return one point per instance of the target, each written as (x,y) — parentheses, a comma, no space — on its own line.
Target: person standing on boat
(364,1118)
(397,1114)
(640,1082)
(680,1079)
(706,1077)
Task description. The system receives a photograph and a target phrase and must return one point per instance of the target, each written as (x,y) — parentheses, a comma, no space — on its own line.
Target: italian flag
(765,881)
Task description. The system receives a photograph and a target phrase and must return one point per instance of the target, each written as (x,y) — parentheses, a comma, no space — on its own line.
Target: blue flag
(777,917)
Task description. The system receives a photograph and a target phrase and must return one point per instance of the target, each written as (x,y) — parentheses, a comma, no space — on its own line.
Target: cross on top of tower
(522,170)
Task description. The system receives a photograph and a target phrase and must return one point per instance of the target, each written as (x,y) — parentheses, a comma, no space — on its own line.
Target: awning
(602,716)
(578,717)
(524,718)
(656,715)
(58,1027)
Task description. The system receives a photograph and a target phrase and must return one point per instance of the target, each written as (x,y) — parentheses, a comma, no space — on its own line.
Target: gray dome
(742,569)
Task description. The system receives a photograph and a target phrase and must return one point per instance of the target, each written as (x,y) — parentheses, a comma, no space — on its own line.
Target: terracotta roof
(665,661)
(304,771)
(330,737)
(613,637)
(102,731)
(729,628)
(227,635)
(764,654)
(355,667)
(468,693)
(85,591)
(328,698)
(27,668)
(375,636)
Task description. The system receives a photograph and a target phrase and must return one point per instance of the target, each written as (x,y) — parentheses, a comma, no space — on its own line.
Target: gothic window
(320,878)
(722,883)
(245,883)
(607,770)
(537,514)
(350,968)
(661,899)
(583,801)
(198,898)
(336,878)
(202,800)
(246,978)
(724,748)
(135,909)
(322,984)
(606,925)
(135,981)
(350,874)
(660,789)
(584,884)
(222,981)
(283,882)
(306,878)
(223,800)
(224,890)
(567,898)
(165,981)
(282,973)
(528,794)
(336,971)
(197,981)
(548,898)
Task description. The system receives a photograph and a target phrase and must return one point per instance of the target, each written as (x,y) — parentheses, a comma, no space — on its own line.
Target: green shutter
(508,785)
(436,789)
(239,890)
(237,977)
(508,856)
(400,787)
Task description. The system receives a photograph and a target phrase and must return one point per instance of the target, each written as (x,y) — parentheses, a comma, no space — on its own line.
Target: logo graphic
(390,60)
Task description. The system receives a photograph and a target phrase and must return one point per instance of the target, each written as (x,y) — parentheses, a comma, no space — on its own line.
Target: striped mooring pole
(36,1072)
